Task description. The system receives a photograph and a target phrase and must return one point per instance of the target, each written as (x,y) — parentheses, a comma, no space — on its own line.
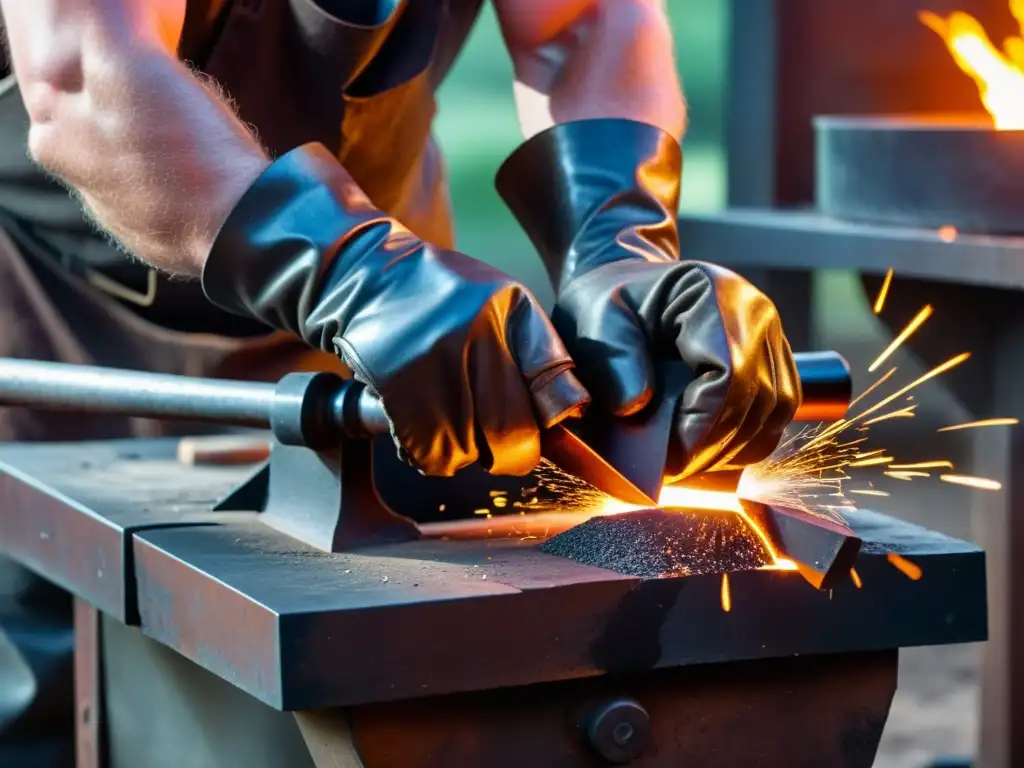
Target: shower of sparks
(883,292)
(820,470)
(981,483)
(905,334)
(982,423)
(726,594)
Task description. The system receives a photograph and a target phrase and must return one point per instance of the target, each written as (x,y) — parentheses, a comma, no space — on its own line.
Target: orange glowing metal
(856,579)
(981,483)
(982,423)
(998,74)
(681,497)
(883,292)
(726,594)
(911,570)
(912,326)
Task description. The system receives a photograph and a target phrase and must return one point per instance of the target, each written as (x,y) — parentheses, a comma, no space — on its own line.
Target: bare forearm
(157,156)
(605,59)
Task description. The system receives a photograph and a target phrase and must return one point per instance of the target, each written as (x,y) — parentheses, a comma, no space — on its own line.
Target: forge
(954,173)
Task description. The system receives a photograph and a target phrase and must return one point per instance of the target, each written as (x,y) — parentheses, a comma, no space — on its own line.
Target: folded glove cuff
(268,257)
(594,191)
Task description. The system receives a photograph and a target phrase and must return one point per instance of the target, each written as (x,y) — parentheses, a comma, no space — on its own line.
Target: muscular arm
(586,59)
(158,157)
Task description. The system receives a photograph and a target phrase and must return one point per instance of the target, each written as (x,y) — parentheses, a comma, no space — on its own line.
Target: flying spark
(982,423)
(726,594)
(883,292)
(911,570)
(820,469)
(981,483)
(905,334)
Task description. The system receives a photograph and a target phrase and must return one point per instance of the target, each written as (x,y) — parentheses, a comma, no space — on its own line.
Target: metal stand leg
(328,735)
(89,721)
(998,519)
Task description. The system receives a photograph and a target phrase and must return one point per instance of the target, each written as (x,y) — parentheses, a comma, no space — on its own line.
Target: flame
(999,75)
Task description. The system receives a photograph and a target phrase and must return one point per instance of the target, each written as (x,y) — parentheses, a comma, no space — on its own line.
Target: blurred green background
(478,129)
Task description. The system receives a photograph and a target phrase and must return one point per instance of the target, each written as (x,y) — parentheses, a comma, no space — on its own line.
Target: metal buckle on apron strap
(109,286)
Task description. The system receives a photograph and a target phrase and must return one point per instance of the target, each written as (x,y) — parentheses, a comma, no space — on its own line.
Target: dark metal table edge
(800,240)
(105,577)
(283,678)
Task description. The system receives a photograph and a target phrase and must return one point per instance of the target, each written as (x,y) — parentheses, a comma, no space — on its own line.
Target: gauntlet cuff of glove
(595,191)
(301,215)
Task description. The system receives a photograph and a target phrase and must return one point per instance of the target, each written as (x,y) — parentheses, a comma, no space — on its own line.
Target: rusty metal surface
(73,528)
(780,712)
(299,629)
(89,721)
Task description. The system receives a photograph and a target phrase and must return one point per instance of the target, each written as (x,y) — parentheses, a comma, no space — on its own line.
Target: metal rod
(61,386)
(825,379)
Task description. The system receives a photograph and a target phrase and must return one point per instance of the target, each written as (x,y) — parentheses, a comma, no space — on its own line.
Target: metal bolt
(618,730)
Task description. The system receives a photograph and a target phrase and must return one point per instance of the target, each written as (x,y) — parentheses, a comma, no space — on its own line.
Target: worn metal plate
(67,511)
(302,629)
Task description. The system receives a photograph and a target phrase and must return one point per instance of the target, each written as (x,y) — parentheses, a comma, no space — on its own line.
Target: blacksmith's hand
(467,365)
(598,198)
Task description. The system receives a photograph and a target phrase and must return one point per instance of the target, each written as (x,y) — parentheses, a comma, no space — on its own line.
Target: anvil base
(461,650)
(796,712)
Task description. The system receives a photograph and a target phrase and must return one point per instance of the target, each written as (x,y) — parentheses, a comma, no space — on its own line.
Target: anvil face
(656,542)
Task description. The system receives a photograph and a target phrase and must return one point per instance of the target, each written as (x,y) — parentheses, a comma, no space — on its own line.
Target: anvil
(460,648)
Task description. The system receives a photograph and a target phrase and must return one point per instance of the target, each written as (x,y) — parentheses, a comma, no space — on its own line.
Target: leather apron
(358,76)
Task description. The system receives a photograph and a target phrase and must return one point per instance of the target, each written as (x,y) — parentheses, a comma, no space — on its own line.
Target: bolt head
(618,730)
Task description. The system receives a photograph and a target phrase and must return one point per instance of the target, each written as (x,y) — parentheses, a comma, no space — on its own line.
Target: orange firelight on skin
(999,75)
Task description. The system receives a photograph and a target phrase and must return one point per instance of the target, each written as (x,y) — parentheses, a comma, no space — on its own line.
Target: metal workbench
(449,638)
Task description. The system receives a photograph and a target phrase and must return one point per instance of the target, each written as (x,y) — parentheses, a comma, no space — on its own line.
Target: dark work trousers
(45,314)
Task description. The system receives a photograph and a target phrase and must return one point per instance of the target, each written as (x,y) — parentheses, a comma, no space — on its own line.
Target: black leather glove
(598,198)
(466,363)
